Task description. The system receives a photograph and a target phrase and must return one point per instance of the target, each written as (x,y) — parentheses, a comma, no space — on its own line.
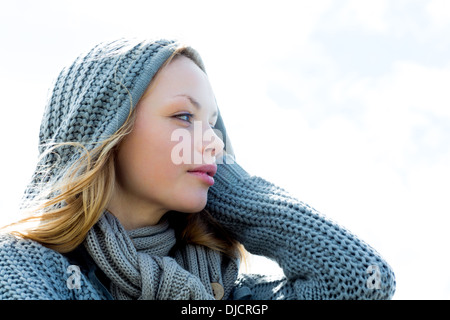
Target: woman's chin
(192,204)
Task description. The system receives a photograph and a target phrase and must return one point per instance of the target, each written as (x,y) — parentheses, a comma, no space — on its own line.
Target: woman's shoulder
(14,249)
(28,270)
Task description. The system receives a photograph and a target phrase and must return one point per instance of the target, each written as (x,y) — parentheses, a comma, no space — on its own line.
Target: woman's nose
(216,144)
(211,146)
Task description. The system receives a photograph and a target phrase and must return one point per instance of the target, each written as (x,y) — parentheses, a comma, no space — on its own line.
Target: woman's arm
(320,259)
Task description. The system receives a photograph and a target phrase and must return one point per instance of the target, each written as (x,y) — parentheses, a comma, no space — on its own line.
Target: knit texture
(139,265)
(29,271)
(90,101)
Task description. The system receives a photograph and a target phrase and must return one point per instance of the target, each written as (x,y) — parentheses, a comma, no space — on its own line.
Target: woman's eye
(188,117)
(185,117)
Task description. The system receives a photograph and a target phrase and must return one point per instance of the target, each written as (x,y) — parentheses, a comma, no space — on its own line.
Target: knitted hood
(92,98)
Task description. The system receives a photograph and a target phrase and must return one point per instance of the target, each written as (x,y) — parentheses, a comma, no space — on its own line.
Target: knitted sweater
(90,101)
(320,259)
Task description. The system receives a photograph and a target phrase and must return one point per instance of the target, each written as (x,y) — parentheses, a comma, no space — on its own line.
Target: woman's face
(160,164)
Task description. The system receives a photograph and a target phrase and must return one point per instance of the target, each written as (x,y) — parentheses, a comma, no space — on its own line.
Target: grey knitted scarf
(139,266)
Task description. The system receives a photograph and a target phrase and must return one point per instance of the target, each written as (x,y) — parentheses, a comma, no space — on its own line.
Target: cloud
(369,15)
(439,12)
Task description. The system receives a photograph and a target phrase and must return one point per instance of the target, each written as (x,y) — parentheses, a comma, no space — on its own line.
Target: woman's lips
(205,173)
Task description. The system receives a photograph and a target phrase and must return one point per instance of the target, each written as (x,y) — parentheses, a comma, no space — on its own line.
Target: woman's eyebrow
(194,102)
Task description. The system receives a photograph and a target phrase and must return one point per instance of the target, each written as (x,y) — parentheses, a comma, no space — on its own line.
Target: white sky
(344,103)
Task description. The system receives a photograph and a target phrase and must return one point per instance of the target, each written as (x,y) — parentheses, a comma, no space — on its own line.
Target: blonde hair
(61,215)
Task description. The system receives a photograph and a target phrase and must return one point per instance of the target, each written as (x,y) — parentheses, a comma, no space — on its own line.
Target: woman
(137,196)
